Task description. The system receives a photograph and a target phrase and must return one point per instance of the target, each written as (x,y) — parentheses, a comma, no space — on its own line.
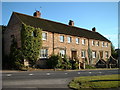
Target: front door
(101,54)
(74,54)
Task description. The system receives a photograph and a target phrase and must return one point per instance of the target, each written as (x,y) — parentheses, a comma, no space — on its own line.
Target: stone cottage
(59,38)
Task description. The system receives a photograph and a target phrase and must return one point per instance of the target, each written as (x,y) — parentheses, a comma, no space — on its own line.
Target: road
(47,79)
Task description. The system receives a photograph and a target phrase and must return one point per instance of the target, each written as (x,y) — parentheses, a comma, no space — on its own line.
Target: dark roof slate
(56,27)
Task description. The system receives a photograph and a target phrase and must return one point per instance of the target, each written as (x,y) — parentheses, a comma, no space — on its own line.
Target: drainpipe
(53,42)
(88,48)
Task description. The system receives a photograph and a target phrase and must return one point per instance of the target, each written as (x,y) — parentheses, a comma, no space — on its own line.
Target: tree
(90,56)
(16,56)
(31,43)
(52,61)
(113,52)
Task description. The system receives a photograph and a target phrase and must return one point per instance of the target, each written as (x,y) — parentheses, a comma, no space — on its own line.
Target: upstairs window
(106,44)
(62,53)
(83,54)
(103,44)
(44,36)
(93,43)
(43,53)
(61,38)
(83,41)
(77,41)
(69,39)
(97,44)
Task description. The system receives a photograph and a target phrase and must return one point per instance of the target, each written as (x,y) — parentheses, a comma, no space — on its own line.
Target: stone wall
(13,29)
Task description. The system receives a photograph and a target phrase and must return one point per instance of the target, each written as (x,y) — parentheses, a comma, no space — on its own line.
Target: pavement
(46,78)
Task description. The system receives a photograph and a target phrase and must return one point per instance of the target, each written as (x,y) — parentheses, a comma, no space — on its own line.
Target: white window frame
(69,39)
(77,40)
(44,36)
(93,54)
(106,54)
(83,53)
(106,44)
(61,38)
(83,41)
(93,43)
(44,53)
(62,53)
(97,43)
(103,44)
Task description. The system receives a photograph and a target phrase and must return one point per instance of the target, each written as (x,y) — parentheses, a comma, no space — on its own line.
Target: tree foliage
(31,42)
(56,61)
(113,52)
(52,61)
(16,56)
(90,56)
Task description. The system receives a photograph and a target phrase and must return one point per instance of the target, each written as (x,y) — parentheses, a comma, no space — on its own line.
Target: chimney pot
(71,23)
(37,14)
(94,29)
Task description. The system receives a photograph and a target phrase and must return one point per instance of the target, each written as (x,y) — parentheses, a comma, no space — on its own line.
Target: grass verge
(104,81)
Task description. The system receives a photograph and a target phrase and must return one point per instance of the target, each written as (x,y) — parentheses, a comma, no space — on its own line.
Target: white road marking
(9,75)
(78,72)
(100,72)
(66,73)
(90,72)
(31,74)
(47,73)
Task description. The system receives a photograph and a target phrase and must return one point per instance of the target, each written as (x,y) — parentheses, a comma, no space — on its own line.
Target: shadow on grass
(103,80)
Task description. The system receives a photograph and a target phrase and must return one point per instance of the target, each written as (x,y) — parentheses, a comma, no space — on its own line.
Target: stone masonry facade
(101,49)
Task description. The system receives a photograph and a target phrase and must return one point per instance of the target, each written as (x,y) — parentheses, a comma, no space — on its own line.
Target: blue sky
(102,15)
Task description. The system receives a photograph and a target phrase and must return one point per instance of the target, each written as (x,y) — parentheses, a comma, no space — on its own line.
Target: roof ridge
(55,22)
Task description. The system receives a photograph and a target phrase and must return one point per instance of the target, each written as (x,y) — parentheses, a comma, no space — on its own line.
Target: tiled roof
(56,27)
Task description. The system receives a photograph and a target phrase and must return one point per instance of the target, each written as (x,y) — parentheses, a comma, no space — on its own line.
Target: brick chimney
(71,23)
(94,29)
(37,14)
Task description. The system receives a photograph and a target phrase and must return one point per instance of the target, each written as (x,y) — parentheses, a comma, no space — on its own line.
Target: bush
(52,61)
(89,67)
(56,61)
(66,64)
(76,65)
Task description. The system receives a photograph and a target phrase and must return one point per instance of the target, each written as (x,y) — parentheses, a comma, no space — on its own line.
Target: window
(98,43)
(77,40)
(83,41)
(43,53)
(69,39)
(83,54)
(44,36)
(106,44)
(103,44)
(62,53)
(34,33)
(93,43)
(106,54)
(94,54)
(61,38)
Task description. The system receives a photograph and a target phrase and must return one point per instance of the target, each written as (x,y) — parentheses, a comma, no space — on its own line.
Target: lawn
(104,81)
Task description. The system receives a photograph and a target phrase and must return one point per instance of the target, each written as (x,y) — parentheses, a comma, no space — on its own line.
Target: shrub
(89,67)
(56,61)
(76,65)
(52,61)
(67,64)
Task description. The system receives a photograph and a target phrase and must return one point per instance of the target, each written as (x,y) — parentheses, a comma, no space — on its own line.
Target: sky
(102,15)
